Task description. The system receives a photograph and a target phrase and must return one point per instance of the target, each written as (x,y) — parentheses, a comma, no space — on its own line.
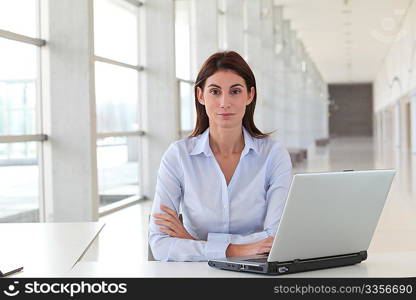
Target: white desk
(399,264)
(46,249)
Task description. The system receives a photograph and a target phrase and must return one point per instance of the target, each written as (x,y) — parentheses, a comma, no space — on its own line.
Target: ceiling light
(278,48)
(303,66)
(265,12)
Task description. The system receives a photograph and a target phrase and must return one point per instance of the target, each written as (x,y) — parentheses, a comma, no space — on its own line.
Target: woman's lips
(227,115)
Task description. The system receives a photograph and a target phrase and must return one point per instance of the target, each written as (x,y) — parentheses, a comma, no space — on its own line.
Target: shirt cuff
(217,244)
(249,238)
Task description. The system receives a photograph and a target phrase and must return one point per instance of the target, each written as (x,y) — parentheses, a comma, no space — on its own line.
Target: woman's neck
(226,141)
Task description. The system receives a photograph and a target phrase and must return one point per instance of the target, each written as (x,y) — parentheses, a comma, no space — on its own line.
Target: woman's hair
(232,61)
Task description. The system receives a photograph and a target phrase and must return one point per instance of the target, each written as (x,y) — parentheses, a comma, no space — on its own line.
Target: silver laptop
(328,221)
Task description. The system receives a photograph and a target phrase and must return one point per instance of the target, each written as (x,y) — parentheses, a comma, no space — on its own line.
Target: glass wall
(117,75)
(20,123)
(183,66)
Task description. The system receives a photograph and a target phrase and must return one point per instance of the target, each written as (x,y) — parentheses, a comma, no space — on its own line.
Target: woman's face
(225,98)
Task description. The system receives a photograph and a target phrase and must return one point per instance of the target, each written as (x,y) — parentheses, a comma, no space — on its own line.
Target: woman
(228,179)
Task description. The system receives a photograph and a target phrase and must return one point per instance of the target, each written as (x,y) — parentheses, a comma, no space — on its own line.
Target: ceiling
(347,39)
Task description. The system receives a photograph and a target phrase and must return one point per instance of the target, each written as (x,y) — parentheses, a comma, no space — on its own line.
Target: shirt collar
(250,143)
(202,144)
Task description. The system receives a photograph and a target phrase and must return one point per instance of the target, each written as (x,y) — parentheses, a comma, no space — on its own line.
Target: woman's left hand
(172,225)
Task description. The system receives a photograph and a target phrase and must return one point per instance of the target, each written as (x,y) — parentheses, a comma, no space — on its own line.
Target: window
(20,119)
(245,30)
(15,19)
(117,75)
(183,39)
(117,159)
(222,25)
(187,109)
(116,94)
(183,66)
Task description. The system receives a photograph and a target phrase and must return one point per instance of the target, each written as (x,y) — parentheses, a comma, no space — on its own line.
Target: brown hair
(227,60)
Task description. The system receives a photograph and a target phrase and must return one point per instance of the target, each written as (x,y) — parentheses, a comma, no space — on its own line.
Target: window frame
(40,138)
(140,134)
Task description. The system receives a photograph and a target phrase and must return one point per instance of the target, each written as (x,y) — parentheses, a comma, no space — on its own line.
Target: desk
(46,249)
(399,264)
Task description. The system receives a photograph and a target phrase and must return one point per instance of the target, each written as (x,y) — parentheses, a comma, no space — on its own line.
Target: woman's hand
(172,225)
(260,247)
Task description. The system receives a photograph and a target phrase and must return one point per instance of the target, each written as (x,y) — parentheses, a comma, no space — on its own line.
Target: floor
(125,233)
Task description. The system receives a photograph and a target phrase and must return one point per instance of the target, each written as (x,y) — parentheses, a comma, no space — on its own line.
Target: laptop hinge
(299,265)
(363,254)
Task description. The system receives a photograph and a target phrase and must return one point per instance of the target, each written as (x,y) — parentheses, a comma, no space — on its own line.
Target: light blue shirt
(191,182)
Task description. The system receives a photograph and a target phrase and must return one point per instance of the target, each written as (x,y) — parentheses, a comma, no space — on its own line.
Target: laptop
(328,221)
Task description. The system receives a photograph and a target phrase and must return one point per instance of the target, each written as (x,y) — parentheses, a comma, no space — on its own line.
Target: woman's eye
(215,92)
(236,91)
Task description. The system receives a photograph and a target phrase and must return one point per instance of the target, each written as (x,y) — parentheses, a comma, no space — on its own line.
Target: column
(279,69)
(204,30)
(160,104)
(70,173)
(253,54)
(234,25)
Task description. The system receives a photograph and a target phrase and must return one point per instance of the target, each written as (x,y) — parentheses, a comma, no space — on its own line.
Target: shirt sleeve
(280,177)
(169,193)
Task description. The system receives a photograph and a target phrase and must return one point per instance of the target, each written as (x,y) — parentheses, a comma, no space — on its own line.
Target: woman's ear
(199,95)
(251,95)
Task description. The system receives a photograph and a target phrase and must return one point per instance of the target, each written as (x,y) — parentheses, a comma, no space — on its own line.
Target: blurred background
(93,92)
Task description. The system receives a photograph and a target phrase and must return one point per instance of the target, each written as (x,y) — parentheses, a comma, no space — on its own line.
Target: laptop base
(295,266)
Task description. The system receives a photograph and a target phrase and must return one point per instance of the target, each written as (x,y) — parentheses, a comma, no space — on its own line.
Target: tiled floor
(125,233)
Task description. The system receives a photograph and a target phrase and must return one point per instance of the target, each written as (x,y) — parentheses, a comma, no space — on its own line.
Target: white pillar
(267,60)
(303,100)
(253,55)
(160,104)
(292,86)
(204,30)
(397,127)
(413,123)
(299,104)
(325,119)
(235,26)
(286,52)
(279,82)
(70,172)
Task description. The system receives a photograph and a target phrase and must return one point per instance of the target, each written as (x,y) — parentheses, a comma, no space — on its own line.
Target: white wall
(396,79)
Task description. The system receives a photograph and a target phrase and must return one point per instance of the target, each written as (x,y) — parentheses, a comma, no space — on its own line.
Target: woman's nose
(224,101)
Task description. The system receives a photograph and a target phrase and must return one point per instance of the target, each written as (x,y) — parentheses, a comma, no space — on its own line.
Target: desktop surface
(400,264)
